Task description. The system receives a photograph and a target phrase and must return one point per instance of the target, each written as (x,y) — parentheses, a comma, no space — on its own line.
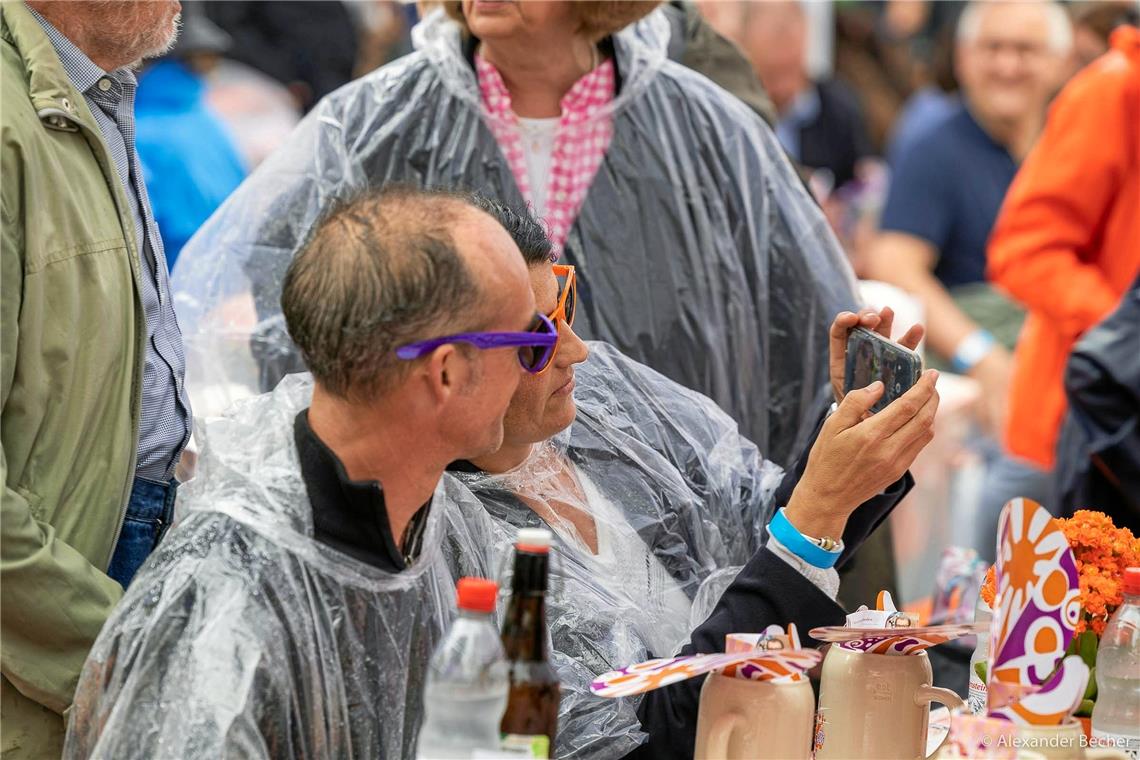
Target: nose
(1009,62)
(572,349)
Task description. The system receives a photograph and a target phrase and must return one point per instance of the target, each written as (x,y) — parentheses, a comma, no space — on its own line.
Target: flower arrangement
(1102,551)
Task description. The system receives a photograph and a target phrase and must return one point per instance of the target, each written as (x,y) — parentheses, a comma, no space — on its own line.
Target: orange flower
(1102,552)
(989,586)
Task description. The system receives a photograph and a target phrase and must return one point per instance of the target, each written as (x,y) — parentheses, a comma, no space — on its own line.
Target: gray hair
(1060,25)
(379,270)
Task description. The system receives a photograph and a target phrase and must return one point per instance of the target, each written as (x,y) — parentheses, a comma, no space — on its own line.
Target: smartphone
(872,357)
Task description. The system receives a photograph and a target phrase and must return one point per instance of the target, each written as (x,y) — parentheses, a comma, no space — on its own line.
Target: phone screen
(871,357)
(866,364)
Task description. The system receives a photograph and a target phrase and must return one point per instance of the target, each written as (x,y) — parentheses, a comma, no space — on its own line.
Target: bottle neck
(524,629)
(530,573)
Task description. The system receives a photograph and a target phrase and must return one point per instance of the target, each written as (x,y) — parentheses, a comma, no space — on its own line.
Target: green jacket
(70,371)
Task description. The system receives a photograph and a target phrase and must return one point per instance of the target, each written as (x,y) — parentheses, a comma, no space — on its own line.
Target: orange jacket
(1067,241)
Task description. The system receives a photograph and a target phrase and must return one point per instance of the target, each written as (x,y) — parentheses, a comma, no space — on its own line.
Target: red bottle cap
(1132,581)
(477,594)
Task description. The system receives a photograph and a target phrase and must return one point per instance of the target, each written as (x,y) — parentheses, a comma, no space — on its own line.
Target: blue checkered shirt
(164,416)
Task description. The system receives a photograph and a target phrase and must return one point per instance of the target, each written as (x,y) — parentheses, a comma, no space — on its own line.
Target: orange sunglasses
(567,303)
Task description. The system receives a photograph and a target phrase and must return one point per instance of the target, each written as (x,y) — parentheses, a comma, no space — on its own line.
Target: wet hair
(524,229)
(379,270)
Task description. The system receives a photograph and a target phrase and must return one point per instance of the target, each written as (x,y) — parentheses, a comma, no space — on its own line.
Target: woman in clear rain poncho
(703,256)
(660,507)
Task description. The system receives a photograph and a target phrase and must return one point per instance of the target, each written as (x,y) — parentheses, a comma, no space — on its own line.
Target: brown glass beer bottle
(531,719)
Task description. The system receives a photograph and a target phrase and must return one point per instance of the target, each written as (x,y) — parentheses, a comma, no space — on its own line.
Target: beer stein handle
(719,734)
(927,694)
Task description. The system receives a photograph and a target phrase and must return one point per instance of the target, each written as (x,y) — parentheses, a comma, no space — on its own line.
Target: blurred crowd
(240,77)
(911,142)
(718,180)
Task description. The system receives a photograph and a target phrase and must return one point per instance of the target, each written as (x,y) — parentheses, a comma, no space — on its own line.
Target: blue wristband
(971,350)
(795,542)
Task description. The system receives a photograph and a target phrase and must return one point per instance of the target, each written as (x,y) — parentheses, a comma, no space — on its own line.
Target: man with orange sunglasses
(657,503)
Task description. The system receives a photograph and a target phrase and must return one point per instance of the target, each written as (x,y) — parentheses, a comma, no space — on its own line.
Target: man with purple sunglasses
(373,302)
(293,607)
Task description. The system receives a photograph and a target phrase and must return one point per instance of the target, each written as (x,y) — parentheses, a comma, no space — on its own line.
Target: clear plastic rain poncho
(678,501)
(244,637)
(700,252)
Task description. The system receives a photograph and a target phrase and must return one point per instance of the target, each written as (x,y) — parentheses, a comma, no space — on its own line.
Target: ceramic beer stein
(876,706)
(741,719)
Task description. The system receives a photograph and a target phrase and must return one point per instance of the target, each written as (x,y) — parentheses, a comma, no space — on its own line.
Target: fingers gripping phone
(872,357)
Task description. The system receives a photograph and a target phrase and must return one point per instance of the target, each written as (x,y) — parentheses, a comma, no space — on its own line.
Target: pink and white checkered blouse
(579,145)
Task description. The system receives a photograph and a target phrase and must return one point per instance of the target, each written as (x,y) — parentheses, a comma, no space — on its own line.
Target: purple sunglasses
(535,348)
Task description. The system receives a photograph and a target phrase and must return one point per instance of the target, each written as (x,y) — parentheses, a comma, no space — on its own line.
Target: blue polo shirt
(947,189)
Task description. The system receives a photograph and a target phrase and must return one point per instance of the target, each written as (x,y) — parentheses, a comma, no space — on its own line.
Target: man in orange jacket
(1067,241)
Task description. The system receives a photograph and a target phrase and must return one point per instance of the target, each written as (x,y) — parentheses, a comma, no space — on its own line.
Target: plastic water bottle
(979,694)
(467,681)
(1116,716)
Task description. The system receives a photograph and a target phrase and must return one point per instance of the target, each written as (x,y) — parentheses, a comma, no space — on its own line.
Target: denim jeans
(149,513)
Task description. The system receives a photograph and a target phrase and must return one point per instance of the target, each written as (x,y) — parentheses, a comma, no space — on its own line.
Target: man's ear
(447,372)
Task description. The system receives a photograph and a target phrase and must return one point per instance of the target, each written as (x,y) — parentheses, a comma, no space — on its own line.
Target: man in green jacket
(94,414)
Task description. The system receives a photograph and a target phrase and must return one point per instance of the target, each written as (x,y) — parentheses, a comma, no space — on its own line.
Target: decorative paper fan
(885,630)
(774,639)
(653,674)
(1036,609)
(897,642)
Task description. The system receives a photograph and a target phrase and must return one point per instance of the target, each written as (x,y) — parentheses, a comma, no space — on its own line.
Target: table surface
(938,728)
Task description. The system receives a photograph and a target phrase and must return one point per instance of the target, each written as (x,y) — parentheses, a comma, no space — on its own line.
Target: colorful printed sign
(961,573)
(1036,609)
(1055,701)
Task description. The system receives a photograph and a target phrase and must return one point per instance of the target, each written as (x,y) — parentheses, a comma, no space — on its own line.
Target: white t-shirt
(538,149)
(635,570)
(628,566)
